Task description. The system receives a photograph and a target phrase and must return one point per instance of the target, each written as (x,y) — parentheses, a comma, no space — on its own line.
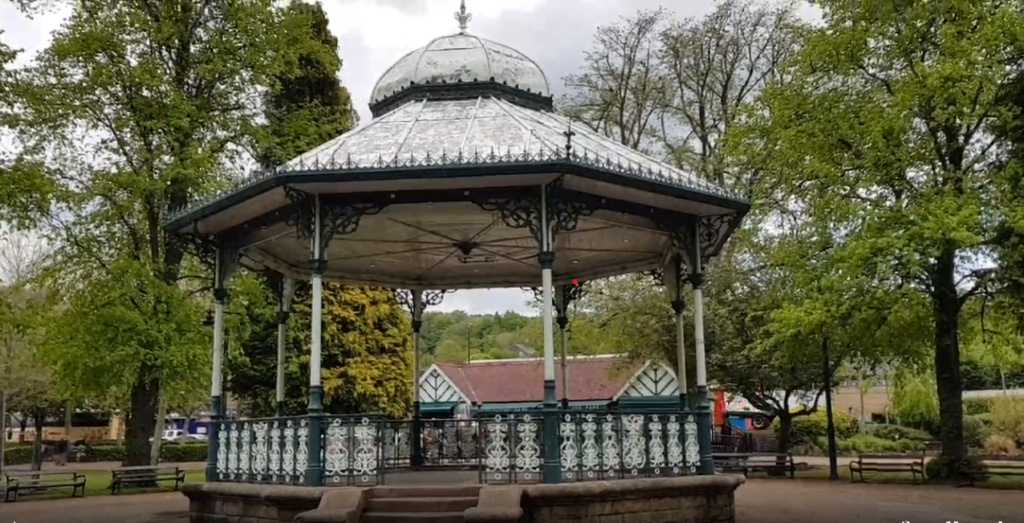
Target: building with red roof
(517,384)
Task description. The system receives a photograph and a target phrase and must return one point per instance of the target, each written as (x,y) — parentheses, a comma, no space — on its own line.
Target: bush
(185,452)
(867,444)
(897,433)
(974,432)
(1008,418)
(997,444)
(941,468)
(975,406)
(807,429)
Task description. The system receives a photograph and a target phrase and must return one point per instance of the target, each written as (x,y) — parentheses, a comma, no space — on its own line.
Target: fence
(505,447)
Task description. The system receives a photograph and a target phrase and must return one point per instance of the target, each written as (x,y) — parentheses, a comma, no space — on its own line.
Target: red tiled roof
(499,381)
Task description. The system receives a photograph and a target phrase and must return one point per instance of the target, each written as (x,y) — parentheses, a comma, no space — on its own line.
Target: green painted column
(416,432)
(704,421)
(551,469)
(314,465)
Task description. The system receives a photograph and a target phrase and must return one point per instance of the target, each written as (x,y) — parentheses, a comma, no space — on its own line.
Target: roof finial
(462,17)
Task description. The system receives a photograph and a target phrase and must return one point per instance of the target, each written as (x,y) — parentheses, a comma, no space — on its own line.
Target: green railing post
(314,464)
(213,438)
(704,425)
(551,469)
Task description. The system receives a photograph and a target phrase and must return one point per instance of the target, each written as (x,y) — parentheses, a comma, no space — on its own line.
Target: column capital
(679,305)
(417,325)
(220,295)
(319,266)
(282,317)
(697,280)
(546,259)
(562,321)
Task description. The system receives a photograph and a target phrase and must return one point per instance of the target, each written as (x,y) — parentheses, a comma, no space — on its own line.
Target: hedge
(169,452)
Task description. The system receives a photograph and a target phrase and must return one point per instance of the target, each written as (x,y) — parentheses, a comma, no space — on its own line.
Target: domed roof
(462,58)
(469,64)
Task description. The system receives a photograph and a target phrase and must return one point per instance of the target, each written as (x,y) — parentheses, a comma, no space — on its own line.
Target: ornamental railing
(505,447)
(592,445)
(271,450)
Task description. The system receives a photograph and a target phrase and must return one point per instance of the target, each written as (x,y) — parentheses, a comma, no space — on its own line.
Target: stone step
(412,517)
(424,504)
(452,491)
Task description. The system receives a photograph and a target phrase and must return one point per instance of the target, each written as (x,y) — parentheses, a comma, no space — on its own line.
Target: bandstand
(465,178)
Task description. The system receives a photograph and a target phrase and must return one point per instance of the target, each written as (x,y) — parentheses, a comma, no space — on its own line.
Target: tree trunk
(860,386)
(782,440)
(23,425)
(1002,379)
(69,407)
(140,423)
(949,385)
(158,432)
(38,418)
(3,428)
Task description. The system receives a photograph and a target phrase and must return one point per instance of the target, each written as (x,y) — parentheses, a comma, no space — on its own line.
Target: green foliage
(868,444)
(132,111)
(169,453)
(366,353)
(898,433)
(810,428)
(914,401)
(974,432)
(308,106)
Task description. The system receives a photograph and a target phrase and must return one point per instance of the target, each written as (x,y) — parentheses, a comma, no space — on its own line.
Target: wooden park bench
(145,476)
(755,462)
(25,482)
(976,469)
(886,463)
(730,461)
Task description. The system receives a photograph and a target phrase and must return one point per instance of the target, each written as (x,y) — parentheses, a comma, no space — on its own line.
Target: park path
(758,501)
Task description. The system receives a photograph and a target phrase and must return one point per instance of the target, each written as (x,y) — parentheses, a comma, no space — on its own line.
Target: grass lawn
(905,478)
(97,483)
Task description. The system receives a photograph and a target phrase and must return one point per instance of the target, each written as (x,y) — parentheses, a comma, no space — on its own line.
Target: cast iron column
(551,471)
(674,282)
(225,262)
(562,318)
(314,467)
(287,291)
(416,434)
(704,423)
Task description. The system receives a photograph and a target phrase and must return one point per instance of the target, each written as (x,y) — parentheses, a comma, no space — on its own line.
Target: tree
(309,106)
(716,65)
(622,86)
(366,355)
(676,87)
(131,112)
(882,128)
(26,384)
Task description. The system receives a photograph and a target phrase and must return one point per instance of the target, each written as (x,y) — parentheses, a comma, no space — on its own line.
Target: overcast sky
(373,34)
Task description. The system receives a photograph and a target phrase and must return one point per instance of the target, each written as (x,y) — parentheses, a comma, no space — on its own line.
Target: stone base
(247,503)
(693,499)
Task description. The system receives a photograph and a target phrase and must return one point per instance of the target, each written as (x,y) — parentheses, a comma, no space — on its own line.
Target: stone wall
(245,503)
(695,499)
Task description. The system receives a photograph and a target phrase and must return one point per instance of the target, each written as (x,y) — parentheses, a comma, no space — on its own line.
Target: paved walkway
(759,501)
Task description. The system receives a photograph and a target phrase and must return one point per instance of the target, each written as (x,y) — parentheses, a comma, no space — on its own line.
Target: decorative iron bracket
(524,212)
(572,293)
(431,298)
(336,218)
(228,257)
(204,248)
(691,234)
